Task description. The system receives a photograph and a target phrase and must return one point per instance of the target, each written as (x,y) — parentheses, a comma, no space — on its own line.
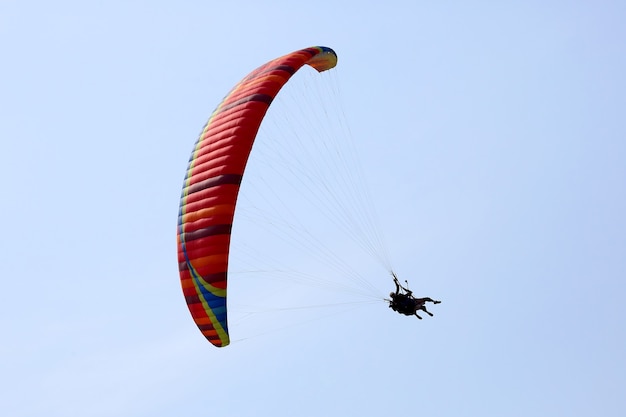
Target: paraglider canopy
(212,183)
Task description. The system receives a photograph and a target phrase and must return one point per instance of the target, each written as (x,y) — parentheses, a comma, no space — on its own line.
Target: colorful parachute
(211,186)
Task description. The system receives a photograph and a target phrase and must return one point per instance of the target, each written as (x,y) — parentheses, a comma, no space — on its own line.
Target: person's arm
(395,281)
(404,288)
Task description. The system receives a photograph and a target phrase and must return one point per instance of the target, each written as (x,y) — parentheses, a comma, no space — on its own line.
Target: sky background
(492,137)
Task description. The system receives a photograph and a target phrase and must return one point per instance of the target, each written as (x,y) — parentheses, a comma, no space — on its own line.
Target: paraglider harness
(402,300)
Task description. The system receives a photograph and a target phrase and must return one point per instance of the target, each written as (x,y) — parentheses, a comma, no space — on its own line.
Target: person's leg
(423,308)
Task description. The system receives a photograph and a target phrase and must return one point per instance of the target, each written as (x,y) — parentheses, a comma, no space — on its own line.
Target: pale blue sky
(493,137)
